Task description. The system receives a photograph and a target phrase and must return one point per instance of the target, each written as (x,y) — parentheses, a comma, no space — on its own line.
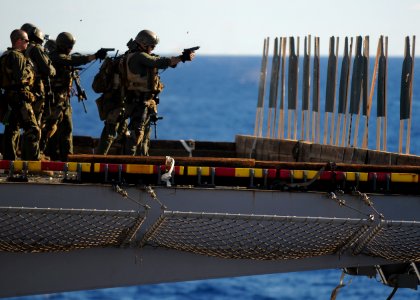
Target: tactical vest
(62,82)
(149,83)
(7,78)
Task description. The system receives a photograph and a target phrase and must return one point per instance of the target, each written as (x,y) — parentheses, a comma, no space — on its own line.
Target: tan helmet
(147,38)
(37,35)
(65,40)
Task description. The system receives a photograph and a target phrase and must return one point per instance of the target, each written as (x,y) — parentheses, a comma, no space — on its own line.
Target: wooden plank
(160,160)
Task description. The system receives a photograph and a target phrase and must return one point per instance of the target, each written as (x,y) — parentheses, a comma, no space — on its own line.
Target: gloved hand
(187,55)
(100,54)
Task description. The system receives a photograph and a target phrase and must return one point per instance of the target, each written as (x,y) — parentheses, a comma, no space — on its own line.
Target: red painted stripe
(380,176)
(223,171)
(271,173)
(326,175)
(285,174)
(52,166)
(4,164)
(339,175)
(163,169)
(112,168)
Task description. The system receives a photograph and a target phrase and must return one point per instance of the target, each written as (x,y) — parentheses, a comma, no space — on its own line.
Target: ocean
(214,98)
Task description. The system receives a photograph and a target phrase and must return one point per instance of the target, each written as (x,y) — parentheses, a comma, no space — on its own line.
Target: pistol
(186,53)
(192,49)
(107,49)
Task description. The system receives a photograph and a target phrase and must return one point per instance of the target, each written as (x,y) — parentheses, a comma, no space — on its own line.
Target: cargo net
(268,237)
(50,230)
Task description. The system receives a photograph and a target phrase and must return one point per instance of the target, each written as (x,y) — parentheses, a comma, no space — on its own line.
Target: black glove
(185,55)
(101,54)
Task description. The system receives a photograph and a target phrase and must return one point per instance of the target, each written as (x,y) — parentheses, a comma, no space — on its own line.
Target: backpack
(108,77)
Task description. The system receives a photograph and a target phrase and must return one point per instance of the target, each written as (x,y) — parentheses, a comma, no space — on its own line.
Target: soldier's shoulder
(15,54)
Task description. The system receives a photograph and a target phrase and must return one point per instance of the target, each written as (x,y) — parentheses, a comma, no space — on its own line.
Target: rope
(125,195)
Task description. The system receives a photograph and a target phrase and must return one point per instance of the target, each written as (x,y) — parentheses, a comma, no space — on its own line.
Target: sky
(219,27)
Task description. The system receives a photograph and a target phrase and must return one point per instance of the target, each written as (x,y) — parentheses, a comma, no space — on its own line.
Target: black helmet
(65,40)
(28,27)
(147,38)
(50,46)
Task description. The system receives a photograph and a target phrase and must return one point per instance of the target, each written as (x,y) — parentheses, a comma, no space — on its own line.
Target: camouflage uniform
(143,85)
(44,70)
(18,79)
(115,123)
(59,122)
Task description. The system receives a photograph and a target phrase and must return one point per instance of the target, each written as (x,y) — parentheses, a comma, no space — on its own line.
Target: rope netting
(49,230)
(277,237)
(252,236)
(396,240)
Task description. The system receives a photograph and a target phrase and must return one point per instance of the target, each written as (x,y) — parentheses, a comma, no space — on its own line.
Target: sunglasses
(25,40)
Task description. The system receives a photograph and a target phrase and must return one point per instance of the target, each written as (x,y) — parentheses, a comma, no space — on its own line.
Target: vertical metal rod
(305,118)
(346,110)
(315,95)
(363,84)
(335,84)
(342,91)
(273,90)
(296,85)
(413,47)
(261,91)
(372,89)
(330,90)
(385,98)
(292,86)
(280,128)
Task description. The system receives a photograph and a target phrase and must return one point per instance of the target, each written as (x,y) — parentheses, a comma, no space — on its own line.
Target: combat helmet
(37,35)
(65,40)
(147,38)
(27,27)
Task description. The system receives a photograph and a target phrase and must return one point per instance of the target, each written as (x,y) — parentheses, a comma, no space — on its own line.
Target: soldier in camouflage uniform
(44,70)
(143,86)
(17,81)
(115,123)
(60,118)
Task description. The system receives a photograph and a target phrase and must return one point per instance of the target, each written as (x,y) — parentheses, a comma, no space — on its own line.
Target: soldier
(60,118)
(44,71)
(111,105)
(17,81)
(143,86)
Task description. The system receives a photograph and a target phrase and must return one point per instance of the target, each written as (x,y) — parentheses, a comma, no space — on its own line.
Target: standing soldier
(143,86)
(111,103)
(44,71)
(17,81)
(60,118)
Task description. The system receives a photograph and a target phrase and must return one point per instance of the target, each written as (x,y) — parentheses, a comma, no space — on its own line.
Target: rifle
(153,121)
(50,95)
(80,92)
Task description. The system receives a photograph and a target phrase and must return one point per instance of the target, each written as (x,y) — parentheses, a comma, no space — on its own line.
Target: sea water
(214,98)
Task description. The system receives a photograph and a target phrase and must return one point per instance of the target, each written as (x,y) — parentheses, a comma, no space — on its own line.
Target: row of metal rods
(354,95)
